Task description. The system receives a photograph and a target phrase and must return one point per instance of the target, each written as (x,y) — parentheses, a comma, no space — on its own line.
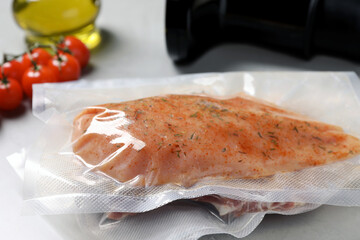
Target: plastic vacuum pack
(60,180)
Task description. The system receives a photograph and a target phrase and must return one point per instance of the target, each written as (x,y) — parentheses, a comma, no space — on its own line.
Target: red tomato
(13,69)
(11,94)
(39,55)
(65,66)
(78,49)
(40,74)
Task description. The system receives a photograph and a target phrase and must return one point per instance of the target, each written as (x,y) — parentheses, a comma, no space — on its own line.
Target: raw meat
(236,208)
(228,208)
(182,139)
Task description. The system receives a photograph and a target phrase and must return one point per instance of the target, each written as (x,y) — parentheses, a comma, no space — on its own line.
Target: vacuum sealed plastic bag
(110,147)
(179,220)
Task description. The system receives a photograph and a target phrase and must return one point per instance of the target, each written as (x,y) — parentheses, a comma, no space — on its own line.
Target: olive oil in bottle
(47,20)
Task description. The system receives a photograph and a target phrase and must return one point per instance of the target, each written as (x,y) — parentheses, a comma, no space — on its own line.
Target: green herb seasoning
(216,115)
(317,138)
(322,147)
(274,142)
(137,113)
(274,137)
(194,115)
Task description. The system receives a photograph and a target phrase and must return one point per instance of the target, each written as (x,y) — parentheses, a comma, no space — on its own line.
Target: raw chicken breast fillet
(182,139)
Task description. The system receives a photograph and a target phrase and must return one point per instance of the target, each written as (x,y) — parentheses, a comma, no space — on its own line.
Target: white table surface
(134,46)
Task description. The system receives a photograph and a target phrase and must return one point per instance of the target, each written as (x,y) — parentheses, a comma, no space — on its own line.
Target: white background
(134,46)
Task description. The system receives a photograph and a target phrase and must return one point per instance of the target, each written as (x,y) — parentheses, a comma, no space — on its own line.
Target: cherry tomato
(39,55)
(78,49)
(13,69)
(65,66)
(38,74)
(11,94)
